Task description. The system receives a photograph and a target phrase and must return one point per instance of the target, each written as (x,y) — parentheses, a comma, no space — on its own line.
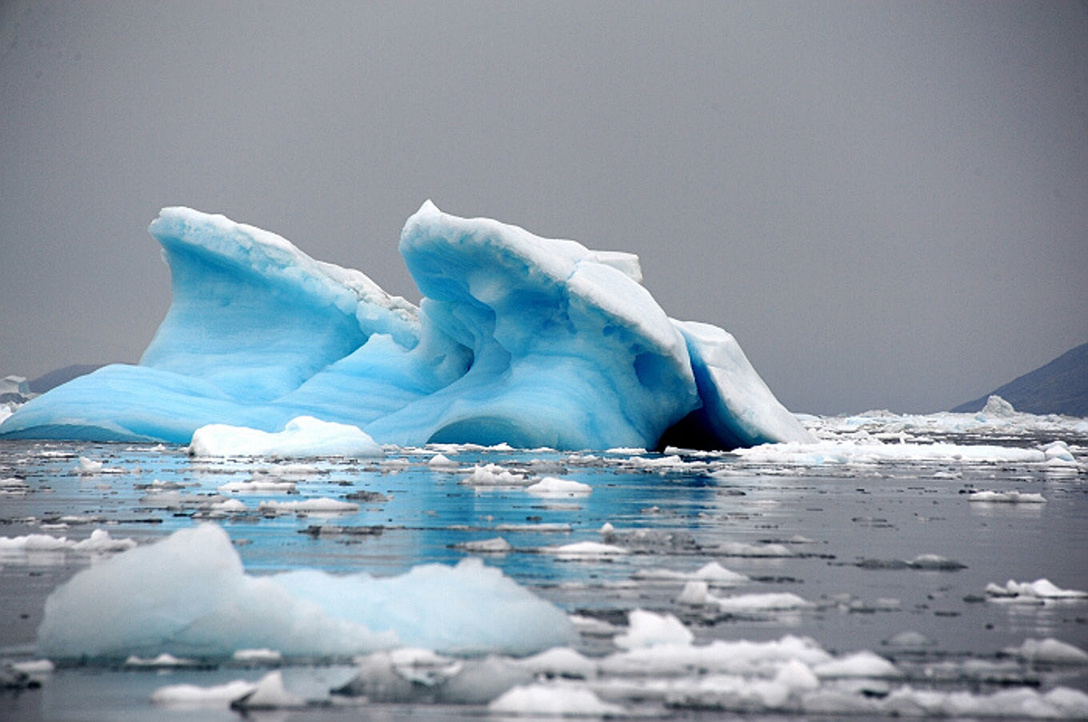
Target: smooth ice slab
(519,339)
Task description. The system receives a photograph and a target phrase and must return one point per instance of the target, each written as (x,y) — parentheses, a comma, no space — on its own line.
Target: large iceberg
(518,339)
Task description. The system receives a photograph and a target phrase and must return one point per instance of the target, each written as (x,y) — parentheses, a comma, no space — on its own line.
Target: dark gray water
(848,537)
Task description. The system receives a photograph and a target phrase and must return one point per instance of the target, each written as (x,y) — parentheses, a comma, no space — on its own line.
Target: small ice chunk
(1049,650)
(441,461)
(162,661)
(561,662)
(647,629)
(553,700)
(711,573)
(1007,497)
(191,695)
(89,466)
(694,594)
(262,656)
(258,487)
(1040,589)
(744,549)
(859,664)
(101,541)
(322,505)
(302,437)
(269,693)
(493,475)
(550,486)
(766,602)
(497,545)
(585,550)
(34,667)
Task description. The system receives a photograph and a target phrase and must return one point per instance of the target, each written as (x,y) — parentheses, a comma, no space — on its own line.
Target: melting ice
(518,339)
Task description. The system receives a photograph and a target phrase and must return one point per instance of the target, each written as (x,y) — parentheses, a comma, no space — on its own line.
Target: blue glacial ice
(519,339)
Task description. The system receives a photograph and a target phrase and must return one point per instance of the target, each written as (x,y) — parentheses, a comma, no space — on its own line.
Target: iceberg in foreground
(518,339)
(188,595)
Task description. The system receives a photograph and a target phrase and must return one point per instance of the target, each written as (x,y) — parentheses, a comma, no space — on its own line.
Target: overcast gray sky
(886,203)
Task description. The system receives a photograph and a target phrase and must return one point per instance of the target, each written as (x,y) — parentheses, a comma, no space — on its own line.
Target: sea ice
(519,339)
(647,629)
(191,695)
(1007,497)
(188,595)
(303,436)
(549,486)
(1031,592)
(99,542)
(553,700)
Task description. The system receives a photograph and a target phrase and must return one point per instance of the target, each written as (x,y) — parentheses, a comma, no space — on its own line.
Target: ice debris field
(534,495)
(523,340)
(918,566)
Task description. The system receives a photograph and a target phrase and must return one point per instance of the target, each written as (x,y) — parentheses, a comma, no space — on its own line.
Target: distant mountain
(1060,387)
(56,377)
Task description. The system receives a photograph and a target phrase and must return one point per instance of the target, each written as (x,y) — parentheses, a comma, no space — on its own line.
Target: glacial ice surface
(519,339)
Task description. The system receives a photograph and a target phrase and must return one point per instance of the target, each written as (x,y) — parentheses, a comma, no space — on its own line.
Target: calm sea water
(841,536)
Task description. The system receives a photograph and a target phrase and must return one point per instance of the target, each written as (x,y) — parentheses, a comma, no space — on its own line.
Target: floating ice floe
(497,545)
(875,451)
(648,629)
(585,551)
(322,505)
(1006,497)
(712,573)
(99,542)
(997,417)
(191,695)
(494,475)
(302,437)
(552,487)
(556,699)
(1050,651)
(258,486)
(1039,591)
(189,596)
(530,341)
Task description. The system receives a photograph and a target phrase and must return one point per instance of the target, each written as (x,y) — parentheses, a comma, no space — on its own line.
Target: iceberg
(518,339)
(188,595)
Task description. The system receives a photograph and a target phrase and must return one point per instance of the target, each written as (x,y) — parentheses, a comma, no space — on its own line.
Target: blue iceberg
(530,341)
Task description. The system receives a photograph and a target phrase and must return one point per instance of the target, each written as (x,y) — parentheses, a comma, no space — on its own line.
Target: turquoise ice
(530,341)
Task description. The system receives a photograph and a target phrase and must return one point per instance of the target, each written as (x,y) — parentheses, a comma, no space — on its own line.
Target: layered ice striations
(518,339)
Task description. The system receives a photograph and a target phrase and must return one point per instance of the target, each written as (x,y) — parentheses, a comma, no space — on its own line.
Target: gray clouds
(887,204)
